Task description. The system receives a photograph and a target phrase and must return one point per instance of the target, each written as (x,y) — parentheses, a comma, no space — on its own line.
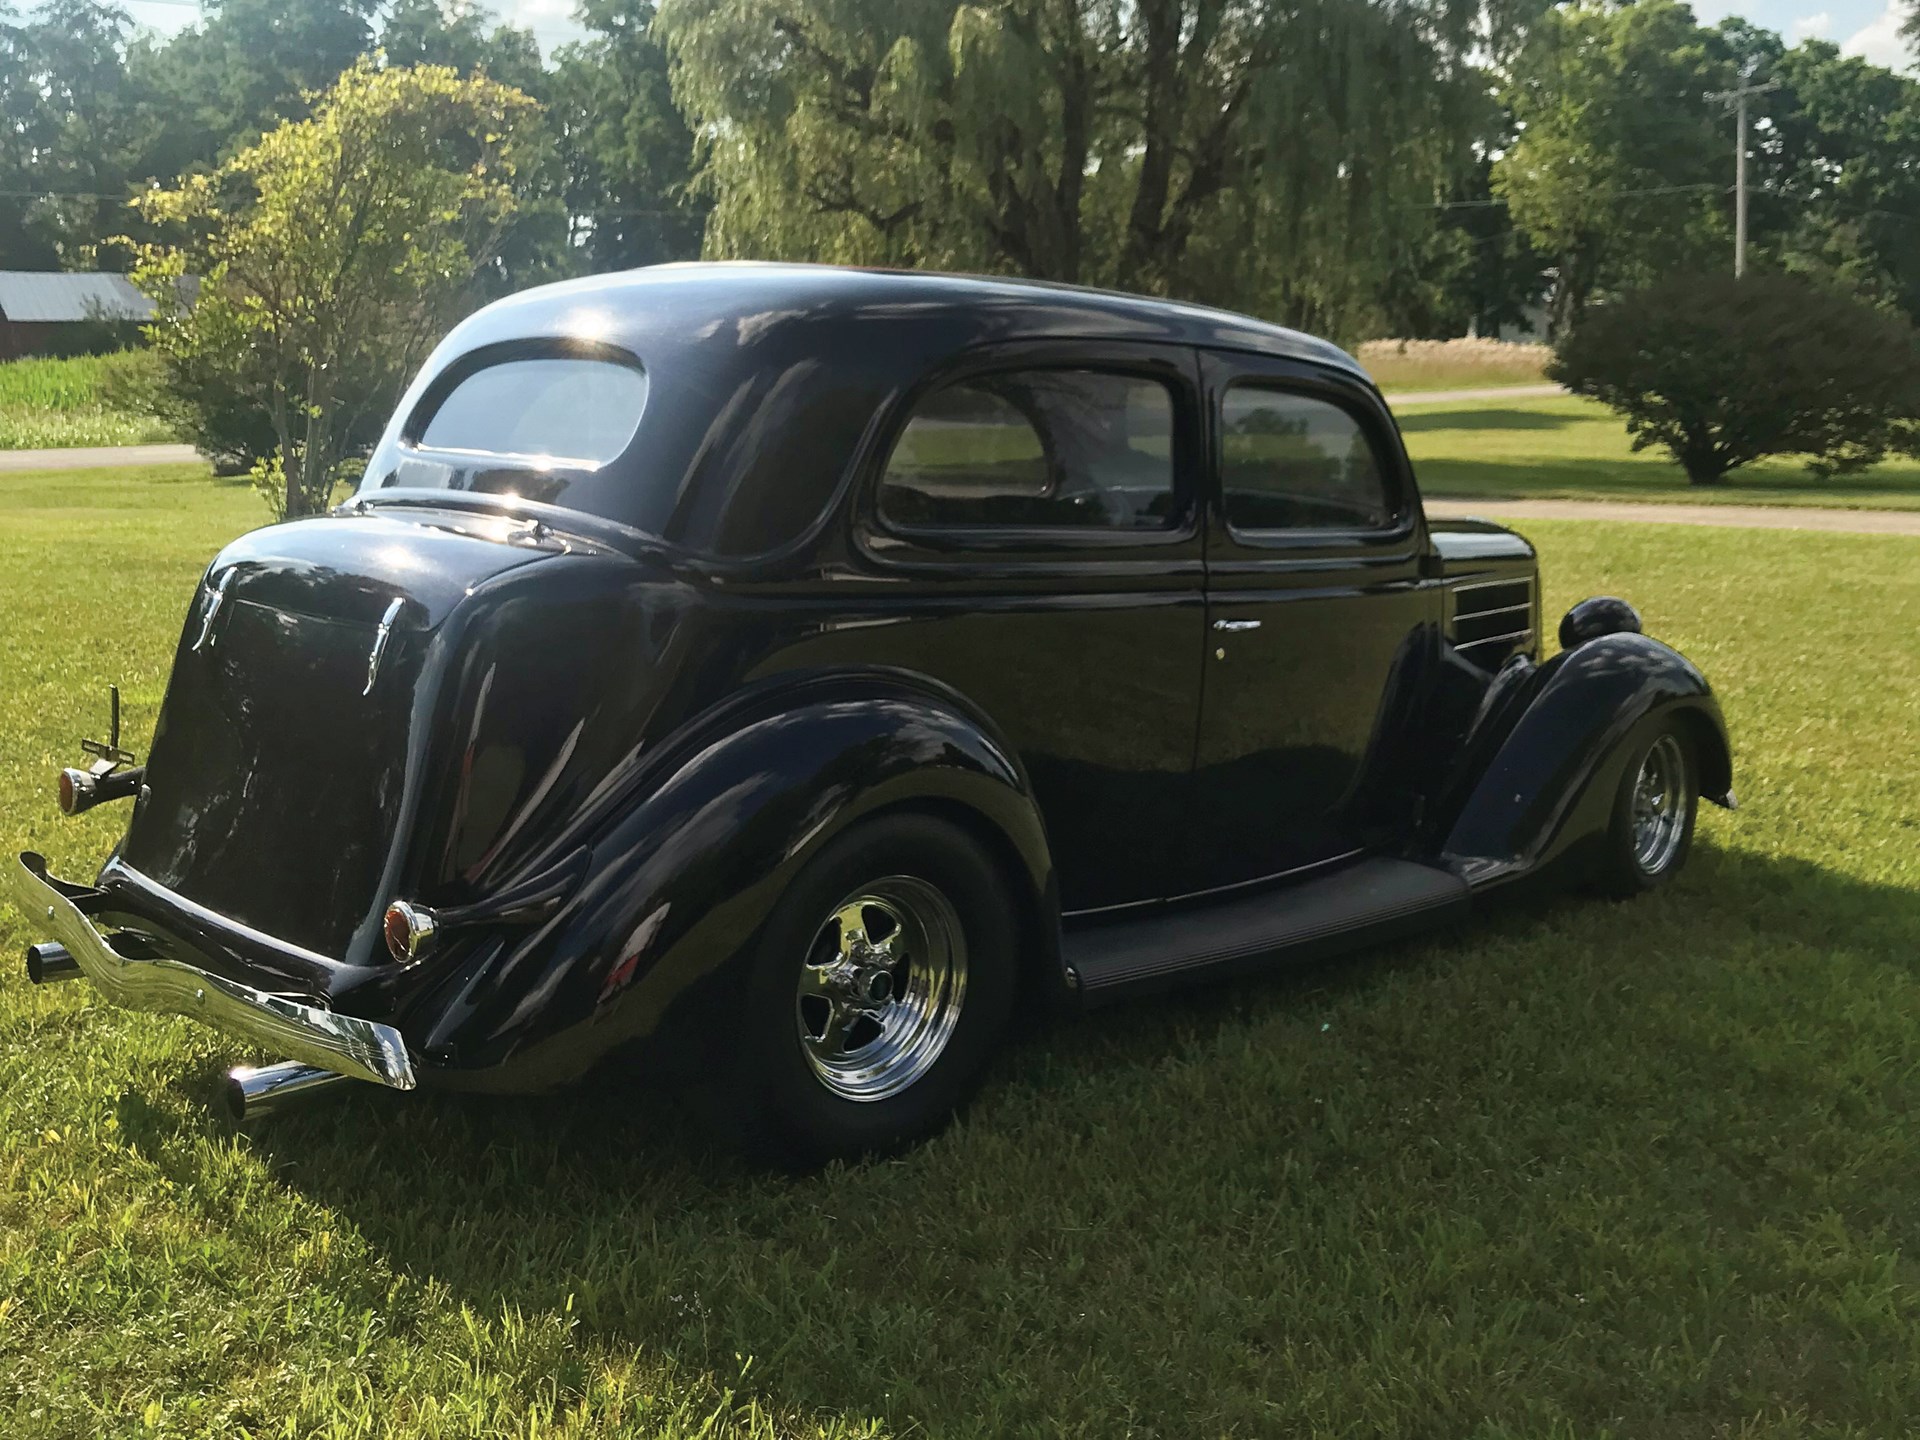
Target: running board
(1360,904)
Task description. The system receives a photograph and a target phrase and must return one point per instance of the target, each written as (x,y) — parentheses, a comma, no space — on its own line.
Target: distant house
(64,312)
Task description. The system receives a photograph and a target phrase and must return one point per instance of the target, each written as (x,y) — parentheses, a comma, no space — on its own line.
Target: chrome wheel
(1660,806)
(881,988)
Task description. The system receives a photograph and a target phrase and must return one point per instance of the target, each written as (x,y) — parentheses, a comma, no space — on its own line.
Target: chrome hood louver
(1490,620)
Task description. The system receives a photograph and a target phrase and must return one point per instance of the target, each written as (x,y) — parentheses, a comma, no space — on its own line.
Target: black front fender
(1550,773)
(681,879)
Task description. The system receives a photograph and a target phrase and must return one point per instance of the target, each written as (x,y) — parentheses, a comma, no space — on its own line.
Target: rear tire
(880,985)
(1651,832)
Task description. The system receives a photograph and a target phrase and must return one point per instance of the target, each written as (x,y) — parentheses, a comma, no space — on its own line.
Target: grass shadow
(1544,478)
(1416,421)
(1103,1231)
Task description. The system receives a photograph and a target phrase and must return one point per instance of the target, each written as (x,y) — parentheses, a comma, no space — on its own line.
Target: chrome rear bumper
(343,1044)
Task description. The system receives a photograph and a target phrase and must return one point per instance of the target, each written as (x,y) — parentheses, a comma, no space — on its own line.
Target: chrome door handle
(1236,624)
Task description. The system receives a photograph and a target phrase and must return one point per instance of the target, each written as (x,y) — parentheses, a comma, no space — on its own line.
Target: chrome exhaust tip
(49,961)
(255,1092)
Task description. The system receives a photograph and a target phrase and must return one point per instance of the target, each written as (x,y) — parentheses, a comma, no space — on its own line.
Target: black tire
(1646,844)
(790,1099)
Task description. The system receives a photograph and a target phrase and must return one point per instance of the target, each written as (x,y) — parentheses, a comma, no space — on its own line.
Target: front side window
(573,412)
(1293,462)
(1036,449)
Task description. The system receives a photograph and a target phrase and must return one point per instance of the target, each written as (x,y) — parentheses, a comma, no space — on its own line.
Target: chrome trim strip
(380,643)
(1493,639)
(1502,580)
(213,608)
(1526,605)
(343,1044)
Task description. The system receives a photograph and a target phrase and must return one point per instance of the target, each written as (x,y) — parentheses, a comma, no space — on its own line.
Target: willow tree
(1278,157)
(329,254)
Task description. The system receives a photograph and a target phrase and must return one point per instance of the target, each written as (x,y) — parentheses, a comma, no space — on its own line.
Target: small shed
(62,312)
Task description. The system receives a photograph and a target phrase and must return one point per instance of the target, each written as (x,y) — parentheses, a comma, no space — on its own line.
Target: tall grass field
(1580,1169)
(54,404)
(1404,365)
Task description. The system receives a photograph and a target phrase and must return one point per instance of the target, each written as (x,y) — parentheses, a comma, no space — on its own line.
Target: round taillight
(409,931)
(68,794)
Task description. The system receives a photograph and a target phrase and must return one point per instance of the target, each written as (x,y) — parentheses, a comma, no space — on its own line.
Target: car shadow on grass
(954,1281)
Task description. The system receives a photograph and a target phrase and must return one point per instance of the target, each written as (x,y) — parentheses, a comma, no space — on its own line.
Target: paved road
(1757,517)
(95,457)
(1400,400)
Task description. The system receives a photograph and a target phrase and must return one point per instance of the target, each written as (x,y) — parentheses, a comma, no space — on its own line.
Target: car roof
(712,296)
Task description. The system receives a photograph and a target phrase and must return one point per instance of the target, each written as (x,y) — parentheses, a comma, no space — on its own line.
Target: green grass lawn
(53,404)
(1581,1170)
(1574,449)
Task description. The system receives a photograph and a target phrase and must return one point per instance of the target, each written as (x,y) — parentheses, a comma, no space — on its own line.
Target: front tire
(1651,831)
(881,983)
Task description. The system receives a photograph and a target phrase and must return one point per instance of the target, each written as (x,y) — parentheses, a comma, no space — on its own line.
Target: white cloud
(1811,27)
(1879,39)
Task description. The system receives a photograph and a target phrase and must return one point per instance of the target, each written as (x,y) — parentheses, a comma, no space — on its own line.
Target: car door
(1034,541)
(1319,623)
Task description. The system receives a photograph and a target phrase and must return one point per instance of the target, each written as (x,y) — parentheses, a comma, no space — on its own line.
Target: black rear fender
(1551,777)
(682,877)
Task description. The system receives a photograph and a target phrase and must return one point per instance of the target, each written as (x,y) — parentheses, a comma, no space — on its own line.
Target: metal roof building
(37,306)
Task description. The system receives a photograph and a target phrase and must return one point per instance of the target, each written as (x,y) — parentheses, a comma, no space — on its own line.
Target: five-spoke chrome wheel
(881,989)
(1661,806)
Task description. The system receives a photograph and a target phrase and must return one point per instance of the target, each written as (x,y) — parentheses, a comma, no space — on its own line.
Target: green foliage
(1723,372)
(1262,156)
(1838,189)
(331,255)
(628,151)
(1617,168)
(1579,1169)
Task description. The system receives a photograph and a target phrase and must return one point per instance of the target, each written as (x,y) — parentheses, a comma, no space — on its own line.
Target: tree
(1837,188)
(1723,372)
(330,254)
(1253,153)
(1621,163)
(629,153)
(432,32)
(248,65)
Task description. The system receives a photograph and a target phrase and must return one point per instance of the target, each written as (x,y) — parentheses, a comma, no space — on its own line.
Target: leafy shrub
(196,398)
(1723,372)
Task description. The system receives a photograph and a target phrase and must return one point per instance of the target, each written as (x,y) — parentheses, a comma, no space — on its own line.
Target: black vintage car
(789,671)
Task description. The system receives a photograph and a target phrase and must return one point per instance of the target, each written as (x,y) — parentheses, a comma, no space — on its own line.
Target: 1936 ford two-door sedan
(792,670)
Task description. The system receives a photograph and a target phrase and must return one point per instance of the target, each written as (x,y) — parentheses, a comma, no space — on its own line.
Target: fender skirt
(681,879)
(1551,780)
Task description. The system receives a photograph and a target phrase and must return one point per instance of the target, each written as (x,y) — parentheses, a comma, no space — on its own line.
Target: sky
(1859,27)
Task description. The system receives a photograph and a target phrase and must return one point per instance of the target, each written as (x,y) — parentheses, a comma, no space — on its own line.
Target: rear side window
(1036,449)
(574,412)
(1293,462)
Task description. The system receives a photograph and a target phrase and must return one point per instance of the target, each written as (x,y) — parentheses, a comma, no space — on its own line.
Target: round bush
(1723,372)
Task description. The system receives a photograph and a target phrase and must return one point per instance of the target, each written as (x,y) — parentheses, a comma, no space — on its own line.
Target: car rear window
(575,412)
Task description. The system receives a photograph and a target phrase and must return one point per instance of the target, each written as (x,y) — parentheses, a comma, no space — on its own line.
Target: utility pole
(1738,99)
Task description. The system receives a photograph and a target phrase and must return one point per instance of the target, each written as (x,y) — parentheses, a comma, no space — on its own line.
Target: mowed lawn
(1575,449)
(1583,1169)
